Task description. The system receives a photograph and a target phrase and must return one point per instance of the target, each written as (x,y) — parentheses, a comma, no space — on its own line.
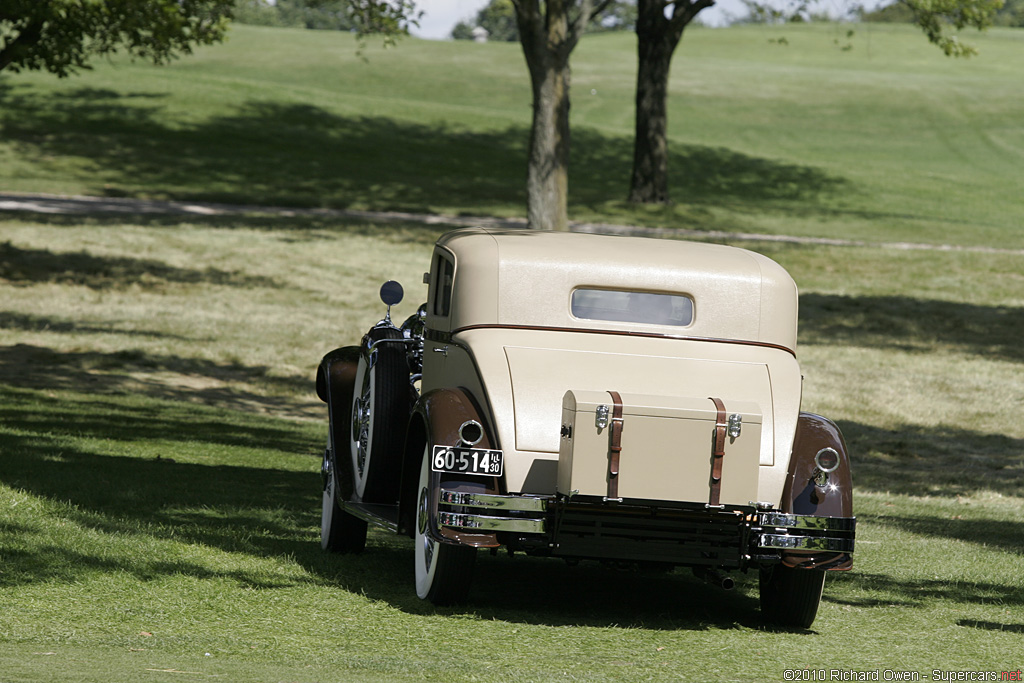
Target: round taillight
(827,459)
(471,432)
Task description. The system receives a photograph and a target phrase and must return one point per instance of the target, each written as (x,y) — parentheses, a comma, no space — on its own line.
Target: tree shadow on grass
(302,155)
(990,533)
(62,455)
(34,266)
(551,593)
(26,322)
(55,563)
(863,589)
(992,625)
(934,461)
(266,513)
(36,416)
(58,448)
(289,228)
(905,323)
(140,373)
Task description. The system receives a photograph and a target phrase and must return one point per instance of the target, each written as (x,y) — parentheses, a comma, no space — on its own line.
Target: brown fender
(435,420)
(337,372)
(801,496)
(335,381)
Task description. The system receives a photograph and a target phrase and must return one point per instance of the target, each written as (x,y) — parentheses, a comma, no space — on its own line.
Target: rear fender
(801,495)
(436,419)
(335,382)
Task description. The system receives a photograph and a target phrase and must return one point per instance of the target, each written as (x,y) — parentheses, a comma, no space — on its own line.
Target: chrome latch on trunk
(735,425)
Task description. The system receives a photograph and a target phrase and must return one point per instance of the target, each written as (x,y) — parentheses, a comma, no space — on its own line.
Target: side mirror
(391,293)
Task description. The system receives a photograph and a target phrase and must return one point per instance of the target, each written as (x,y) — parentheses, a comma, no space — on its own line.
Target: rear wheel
(444,572)
(790,596)
(339,531)
(380,410)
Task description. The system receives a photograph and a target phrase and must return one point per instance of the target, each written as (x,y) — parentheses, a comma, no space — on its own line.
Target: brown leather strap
(614,445)
(718,451)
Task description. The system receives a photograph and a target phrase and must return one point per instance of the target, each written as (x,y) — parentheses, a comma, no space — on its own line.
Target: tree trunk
(548,37)
(656,41)
(547,176)
(658,37)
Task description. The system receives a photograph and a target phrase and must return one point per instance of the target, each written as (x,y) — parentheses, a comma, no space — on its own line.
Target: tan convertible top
(526,278)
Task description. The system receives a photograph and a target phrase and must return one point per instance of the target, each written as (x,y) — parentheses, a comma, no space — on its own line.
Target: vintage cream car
(590,397)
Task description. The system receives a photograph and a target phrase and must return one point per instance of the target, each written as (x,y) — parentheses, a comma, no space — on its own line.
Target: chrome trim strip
(443,337)
(844,545)
(458,520)
(493,501)
(373,345)
(809,522)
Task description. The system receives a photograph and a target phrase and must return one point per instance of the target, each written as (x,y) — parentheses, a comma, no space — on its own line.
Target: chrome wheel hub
(422,521)
(361,430)
(326,471)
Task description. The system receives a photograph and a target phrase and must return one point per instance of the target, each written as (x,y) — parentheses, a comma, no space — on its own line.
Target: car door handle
(441,349)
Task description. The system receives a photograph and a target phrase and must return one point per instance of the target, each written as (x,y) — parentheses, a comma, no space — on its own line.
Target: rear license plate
(467,460)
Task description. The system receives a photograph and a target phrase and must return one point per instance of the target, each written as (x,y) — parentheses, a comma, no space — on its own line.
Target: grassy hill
(159,437)
(790,130)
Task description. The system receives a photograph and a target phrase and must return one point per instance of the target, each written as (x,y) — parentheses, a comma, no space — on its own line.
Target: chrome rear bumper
(805,532)
(475,512)
(754,534)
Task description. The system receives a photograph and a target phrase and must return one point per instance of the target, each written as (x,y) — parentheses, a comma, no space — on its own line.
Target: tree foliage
(797,12)
(387,18)
(499,18)
(1012,14)
(61,36)
(619,15)
(895,13)
(938,19)
(325,15)
(935,17)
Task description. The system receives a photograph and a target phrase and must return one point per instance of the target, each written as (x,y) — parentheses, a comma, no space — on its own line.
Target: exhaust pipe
(715,578)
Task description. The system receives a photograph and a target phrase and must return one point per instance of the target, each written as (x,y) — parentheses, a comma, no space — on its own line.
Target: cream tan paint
(665,448)
(739,346)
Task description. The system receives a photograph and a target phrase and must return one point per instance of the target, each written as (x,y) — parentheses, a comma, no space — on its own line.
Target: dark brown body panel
(335,380)
(802,497)
(436,419)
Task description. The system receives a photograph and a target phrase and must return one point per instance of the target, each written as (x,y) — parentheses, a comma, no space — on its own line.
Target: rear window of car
(632,307)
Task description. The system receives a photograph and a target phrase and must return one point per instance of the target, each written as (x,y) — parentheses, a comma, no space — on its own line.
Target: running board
(385,516)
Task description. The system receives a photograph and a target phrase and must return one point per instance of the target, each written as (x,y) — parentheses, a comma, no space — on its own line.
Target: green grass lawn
(159,436)
(889,140)
(159,480)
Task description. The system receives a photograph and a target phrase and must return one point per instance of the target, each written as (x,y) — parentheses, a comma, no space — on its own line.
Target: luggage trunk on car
(664,449)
